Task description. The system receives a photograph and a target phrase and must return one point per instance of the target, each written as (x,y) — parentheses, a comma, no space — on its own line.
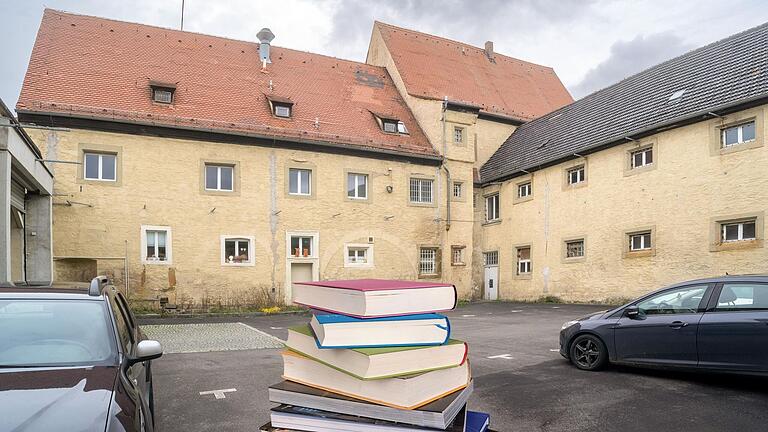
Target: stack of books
(376,356)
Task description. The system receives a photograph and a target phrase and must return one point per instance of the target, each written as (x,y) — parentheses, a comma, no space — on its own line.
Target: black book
(312,420)
(438,414)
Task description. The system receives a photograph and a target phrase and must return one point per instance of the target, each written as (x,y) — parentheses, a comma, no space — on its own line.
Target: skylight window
(676,95)
(282,110)
(162,92)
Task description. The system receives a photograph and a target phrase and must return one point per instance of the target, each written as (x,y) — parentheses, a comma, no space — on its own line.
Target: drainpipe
(448,189)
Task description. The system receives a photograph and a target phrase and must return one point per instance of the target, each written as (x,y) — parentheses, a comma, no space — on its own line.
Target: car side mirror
(632,312)
(146,350)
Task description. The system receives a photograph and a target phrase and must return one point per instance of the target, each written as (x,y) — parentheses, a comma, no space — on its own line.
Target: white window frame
(492,211)
(357,177)
(491,258)
(581,175)
(644,152)
(458,187)
(419,196)
(524,266)
(740,134)
(101,166)
(524,187)
(643,246)
(300,171)
(279,106)
(162,91)
(428,256)
(568,249)
(313,244)
(218,177)
(369,253)
(251,253)
(740,235)
(387,122)
(401,129)
(168,244)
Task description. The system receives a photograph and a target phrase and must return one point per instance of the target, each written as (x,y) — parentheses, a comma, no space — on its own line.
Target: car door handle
(678,324)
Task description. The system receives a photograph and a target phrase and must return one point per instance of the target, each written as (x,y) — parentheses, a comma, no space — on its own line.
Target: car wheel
(588,352)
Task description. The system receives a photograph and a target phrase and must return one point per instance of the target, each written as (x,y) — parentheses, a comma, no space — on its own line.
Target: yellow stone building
(218,172)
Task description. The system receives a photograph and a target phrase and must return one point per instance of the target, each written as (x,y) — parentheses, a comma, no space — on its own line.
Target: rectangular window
(574,249)
(162,95)
(237,250)
(458,135)
(100,166)
(219,177)
(457,255)
(491,258)
(389,126)
(641,158)
(357,186)
(421,191)
(427,261)
(640,241)
(743,296)
(739,134)
(156,244)
(576,175)
(458,189)
(523,260)
(358,255)
(738,231)
(301,246)
(282,110)
(299,181)
(492,208)
(524,190)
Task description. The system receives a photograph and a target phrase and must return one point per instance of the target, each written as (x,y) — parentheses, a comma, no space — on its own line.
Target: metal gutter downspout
(448,190)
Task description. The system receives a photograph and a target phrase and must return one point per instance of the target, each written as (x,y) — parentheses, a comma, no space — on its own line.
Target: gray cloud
(473,22)
(629,57)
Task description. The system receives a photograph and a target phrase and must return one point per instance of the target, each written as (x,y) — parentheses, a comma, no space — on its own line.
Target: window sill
(574,260)
(639,170)
(158,263)
(640,253)
(580,185)
(429,276)
(300,196)
(493,222)
(735,148)
(458,264)
(250,264)
(524,276)
(417,204)
(736,245)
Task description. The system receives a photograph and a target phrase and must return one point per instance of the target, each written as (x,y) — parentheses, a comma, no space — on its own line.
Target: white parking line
(554,350)
(517,310)
(467,316)
(263,333)
(502,356)
(218,394)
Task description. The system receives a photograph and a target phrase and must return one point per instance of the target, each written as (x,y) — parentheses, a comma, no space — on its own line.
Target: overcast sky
(590,43)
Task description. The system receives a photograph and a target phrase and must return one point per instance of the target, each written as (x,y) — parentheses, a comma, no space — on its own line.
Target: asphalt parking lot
(520,378)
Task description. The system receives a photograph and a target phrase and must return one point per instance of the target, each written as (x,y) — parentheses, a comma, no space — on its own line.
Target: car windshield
(54,333)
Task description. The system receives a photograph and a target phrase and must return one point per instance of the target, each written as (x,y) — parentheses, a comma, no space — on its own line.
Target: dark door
(664,332)
(734,332)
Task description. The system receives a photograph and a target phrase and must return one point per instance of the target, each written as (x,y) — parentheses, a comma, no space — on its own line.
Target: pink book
(372,298)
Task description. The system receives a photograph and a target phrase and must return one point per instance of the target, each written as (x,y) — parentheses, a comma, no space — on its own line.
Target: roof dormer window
(282,110)
(162,92)
(390,125)
(280,106)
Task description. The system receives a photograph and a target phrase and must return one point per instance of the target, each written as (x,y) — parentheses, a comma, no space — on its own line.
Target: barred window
(421,191)
(457,255)
(428,261)
(574,249)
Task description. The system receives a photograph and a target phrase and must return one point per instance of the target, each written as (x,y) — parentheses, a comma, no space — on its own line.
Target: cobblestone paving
(189,338)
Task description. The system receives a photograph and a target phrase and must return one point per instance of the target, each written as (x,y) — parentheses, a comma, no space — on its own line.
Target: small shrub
(549,299)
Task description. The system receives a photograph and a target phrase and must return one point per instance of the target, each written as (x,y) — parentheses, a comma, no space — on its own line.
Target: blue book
(477,422)
(342,331)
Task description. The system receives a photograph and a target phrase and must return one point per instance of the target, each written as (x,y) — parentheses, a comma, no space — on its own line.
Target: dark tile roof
(719,75)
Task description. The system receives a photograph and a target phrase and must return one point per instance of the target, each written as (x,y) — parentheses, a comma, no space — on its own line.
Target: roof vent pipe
(265,36)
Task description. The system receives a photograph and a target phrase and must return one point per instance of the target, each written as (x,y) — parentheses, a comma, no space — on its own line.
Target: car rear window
(54,333)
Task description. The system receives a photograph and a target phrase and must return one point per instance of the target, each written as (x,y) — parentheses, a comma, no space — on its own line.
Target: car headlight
(568,324)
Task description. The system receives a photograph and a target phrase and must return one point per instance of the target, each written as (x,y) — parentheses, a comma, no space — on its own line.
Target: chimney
(489,50)
(265,36)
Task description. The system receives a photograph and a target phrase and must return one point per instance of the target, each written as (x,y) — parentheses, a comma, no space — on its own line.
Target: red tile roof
(433,67)
(100,68)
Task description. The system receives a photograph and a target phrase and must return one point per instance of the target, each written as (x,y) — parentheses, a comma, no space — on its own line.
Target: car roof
(56,290)
(727,278)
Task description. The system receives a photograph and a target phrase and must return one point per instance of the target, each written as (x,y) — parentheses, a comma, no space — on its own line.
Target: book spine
(447,330)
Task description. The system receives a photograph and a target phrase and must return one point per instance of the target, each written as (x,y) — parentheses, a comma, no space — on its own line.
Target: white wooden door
(491,285)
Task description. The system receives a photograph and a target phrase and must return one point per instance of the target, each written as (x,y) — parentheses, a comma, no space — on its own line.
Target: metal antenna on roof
(182,15)
(271,88)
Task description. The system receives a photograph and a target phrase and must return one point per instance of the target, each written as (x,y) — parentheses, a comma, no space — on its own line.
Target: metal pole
(182,15)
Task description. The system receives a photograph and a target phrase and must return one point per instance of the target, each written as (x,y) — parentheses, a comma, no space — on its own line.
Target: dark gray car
(718,324)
